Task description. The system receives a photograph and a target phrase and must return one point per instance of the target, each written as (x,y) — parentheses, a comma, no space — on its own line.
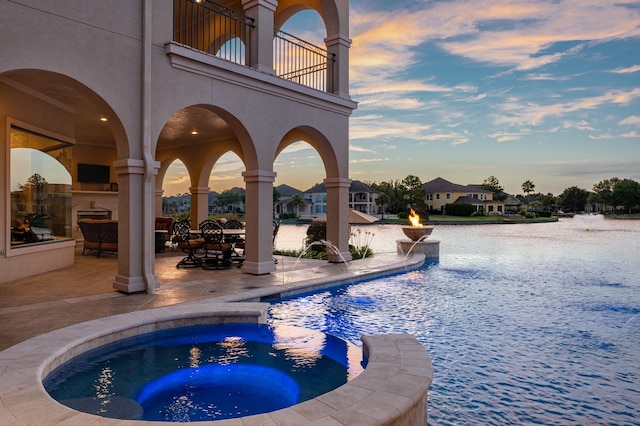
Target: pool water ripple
(536,329)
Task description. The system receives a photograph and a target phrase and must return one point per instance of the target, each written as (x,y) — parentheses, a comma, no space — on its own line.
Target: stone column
(259,218)
(260,53)
(199,205)
(338,74)
(129,278)
(338,218)
(158,204)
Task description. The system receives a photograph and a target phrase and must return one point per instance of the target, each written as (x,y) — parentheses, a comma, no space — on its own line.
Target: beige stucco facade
(67,64)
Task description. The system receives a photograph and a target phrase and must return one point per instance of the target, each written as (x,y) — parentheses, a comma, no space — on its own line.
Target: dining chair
(187,243)
(217,251)
(237,240)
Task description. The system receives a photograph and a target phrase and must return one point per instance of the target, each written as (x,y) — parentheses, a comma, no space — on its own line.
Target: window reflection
(40,189)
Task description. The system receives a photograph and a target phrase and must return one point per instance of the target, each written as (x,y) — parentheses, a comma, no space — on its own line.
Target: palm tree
(295,202)
(381,200)
(528,187)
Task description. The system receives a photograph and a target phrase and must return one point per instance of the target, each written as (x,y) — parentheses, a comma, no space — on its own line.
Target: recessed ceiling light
(194,132)
(103,119)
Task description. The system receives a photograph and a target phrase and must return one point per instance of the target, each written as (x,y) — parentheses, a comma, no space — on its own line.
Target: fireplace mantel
(103,204)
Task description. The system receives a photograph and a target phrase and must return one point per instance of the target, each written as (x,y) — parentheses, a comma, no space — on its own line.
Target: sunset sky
(547,91)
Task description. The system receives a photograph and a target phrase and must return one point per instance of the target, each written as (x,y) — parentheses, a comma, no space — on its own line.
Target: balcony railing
(302,62)
(215,29)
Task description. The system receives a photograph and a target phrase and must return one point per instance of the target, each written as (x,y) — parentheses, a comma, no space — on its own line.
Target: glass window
(448,196)
(40,189)
(437,196)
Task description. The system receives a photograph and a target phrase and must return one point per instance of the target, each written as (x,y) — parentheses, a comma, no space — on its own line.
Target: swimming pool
(524,323)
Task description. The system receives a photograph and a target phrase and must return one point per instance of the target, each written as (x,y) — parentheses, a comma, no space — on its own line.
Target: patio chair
(237,240)
(217,250)
(187,243)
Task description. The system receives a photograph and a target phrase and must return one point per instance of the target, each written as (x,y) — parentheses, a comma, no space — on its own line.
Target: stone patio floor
(83,292)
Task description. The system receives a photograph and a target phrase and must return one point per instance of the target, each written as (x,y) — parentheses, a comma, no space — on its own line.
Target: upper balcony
(249,38)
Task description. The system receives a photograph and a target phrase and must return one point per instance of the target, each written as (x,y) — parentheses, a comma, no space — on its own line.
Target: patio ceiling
(59,91)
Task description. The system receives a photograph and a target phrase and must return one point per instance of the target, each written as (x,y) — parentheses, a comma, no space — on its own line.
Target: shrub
(542,213)
(460,209)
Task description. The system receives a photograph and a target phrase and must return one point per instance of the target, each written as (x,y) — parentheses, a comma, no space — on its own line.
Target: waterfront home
(99,98)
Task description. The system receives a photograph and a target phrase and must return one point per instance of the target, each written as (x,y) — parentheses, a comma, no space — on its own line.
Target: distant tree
(228,198)
(626,193)
(382,200)
(36,184)
(573,198)
(492,184)
(413,191)
(395,191)
(276,195)
(295,202)
(547,200)
(603,192)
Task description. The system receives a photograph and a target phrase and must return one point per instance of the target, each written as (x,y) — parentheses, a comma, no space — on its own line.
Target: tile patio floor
(84,291)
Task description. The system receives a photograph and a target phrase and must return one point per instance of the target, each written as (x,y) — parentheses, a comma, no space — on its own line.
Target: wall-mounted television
(94,173)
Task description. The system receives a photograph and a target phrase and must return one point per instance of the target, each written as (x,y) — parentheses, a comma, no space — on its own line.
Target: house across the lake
(439,192)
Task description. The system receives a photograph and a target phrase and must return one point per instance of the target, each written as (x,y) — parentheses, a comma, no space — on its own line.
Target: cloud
(378,127)
(633,134)
(368,160)
(521,35)
(632,120)
(545,76)
(605,136)
(519,112)
(510,33)
(296,147)
(505,137)
(356,148)
(628,70)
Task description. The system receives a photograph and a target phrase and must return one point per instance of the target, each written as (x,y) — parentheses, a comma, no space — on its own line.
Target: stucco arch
(80,103)
(328,10)
(218,129)
(319,142)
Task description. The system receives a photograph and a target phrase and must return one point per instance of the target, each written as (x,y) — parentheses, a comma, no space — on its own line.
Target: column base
(258,268)
(130,284)
(339,257)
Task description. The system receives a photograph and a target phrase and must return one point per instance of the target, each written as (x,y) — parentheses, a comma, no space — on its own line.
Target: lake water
(525,324)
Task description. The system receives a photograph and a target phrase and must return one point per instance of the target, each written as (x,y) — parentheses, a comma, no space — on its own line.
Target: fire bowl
(417,232)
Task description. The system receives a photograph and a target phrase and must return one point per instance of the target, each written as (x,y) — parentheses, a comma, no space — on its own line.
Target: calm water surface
(525,324)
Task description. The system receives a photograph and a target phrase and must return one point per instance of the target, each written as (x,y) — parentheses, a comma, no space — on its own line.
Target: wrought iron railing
(213,28)
(302,62)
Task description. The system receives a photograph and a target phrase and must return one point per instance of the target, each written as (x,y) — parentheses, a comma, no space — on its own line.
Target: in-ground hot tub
(391,390)
(205,372)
